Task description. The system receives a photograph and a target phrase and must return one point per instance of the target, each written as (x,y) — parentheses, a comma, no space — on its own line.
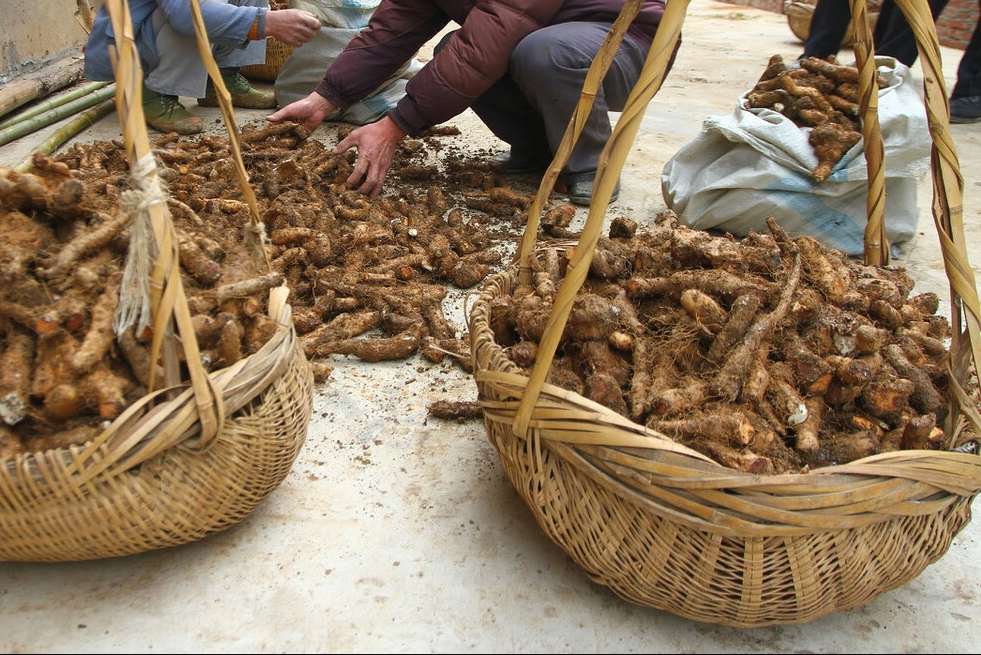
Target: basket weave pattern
(664,527)
(176,497)
(184,461)
(277,53)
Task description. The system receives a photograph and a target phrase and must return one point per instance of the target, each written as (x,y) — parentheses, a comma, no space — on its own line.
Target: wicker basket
(800,12)
(111,498)
(181,463)
(277,53)
(664,527)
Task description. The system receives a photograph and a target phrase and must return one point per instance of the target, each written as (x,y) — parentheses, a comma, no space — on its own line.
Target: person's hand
(291,26)
(376,143)
(309,111)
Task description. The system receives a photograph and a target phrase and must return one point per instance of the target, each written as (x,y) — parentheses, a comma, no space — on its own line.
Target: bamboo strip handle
(608,172)
(948,217)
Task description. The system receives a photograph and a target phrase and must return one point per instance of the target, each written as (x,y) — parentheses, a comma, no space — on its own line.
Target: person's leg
(179,70)
(965,101)
(969,70)
(550,66)
(505,110)
(893,36)
(829,26)
(175,69)
(230,60)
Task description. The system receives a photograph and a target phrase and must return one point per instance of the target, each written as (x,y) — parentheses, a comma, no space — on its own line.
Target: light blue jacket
(226,23)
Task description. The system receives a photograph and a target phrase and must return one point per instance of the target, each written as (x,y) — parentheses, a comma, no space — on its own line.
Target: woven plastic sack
(755,163)
(340,22)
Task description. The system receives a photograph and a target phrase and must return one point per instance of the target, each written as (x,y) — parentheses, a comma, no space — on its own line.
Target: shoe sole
(507,169)
(579,200)
(525,171)
(962,120)
(196,128)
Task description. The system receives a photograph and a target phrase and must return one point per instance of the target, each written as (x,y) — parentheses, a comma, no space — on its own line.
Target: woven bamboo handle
(876,251)
(608,172)
(948,217)
(225,103)
(594,77)
(168,305)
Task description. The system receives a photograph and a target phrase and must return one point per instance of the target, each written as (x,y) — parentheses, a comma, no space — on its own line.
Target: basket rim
(754,503)
(254,373)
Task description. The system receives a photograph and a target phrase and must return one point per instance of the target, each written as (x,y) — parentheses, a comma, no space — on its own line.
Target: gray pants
(530,107)
(181,71)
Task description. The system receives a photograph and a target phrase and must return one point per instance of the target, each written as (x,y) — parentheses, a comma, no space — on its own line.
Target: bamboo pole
(227,112)
(67,131)
(56,101)
(21,92)
(948,219)
(53,115)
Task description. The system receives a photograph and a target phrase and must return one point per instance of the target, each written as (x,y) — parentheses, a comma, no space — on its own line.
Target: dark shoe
(242,93)
(518,163)
(581,193)
(966,109)
(166,114)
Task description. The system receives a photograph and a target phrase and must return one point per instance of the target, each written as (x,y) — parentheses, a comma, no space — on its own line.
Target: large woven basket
(124,495)
(664,527)
(277,53)
(183,462)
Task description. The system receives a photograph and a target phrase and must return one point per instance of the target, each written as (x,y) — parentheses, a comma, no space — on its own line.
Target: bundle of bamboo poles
(86,103)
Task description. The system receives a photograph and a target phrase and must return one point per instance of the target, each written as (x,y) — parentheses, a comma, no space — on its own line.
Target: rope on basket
(167,302)
(608,171)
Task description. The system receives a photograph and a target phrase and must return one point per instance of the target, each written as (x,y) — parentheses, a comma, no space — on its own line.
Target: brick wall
(954,27)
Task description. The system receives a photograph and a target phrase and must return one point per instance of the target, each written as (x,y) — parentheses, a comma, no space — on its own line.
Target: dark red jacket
(472,60)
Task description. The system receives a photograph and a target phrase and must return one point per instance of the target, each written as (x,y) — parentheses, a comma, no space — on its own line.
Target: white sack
(756,163)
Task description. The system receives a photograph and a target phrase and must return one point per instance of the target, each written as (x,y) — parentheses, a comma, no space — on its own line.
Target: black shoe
(966,109)
(581,193)
(518,163)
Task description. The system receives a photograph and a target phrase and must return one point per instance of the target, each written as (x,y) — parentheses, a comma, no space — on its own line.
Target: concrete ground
(396,532)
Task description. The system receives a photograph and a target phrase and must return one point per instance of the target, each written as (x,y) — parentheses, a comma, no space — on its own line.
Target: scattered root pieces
(460,410)
(805,362)
(367,278)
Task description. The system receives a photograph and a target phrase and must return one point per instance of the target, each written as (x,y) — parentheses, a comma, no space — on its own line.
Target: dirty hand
(309,111)
(376,143)
(291,26)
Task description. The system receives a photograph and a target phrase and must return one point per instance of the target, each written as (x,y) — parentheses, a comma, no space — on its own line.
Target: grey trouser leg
(550,66)
(181,71)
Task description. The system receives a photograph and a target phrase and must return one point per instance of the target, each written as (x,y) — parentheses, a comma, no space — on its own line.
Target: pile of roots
(769,354)
(819,94)
(366,277)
